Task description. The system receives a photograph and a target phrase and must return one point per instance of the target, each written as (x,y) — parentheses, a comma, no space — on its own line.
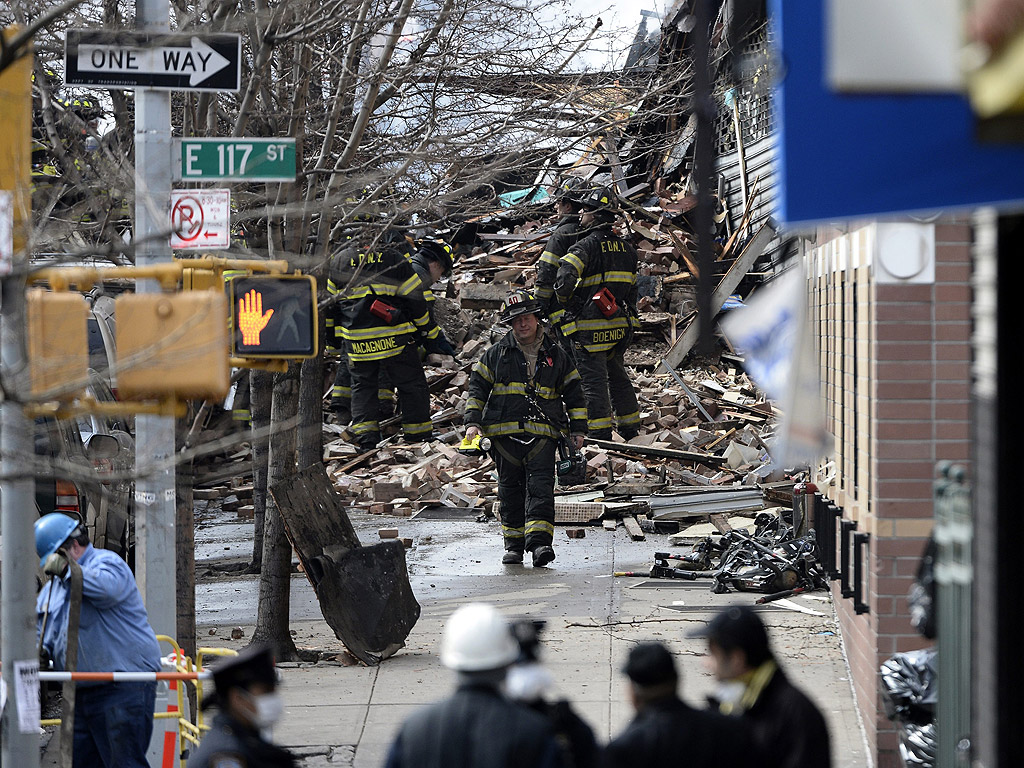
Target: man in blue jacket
(113,721)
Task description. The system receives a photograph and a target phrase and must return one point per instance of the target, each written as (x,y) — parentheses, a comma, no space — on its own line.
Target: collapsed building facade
(894,347)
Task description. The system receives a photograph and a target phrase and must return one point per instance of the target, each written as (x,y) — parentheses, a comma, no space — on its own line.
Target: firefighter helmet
(519,302)
(599,199)
(572,188)
(477,638)
(436,250)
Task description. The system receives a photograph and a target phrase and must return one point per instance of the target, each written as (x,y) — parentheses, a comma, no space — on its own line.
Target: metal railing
(185,671)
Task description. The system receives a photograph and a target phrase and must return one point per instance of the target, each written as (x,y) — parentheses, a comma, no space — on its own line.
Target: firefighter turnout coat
(499,389)
(383,309)
(566,234)
(601,261)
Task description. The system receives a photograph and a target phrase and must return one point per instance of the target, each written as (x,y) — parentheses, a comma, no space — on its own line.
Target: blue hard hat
(52,530)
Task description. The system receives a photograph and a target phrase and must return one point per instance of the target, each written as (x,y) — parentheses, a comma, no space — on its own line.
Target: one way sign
(206,62)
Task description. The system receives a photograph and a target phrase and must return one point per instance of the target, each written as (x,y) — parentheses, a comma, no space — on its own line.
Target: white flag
(772,333)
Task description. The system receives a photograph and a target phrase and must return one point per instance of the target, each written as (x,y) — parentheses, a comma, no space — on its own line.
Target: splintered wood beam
(730,280)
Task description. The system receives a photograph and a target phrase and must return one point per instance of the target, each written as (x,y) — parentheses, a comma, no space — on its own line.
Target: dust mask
(269,708)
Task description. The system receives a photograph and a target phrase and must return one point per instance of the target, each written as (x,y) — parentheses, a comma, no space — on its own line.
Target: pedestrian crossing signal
(273,316)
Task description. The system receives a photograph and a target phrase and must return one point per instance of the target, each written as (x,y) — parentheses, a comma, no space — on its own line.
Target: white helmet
(477,638)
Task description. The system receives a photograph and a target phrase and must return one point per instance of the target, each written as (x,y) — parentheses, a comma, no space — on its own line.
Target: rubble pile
(704,428)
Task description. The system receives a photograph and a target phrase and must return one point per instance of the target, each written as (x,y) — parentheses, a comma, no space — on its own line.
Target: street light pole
(154,435)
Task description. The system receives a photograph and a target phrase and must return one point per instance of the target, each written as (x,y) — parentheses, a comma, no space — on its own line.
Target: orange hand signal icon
(251,320)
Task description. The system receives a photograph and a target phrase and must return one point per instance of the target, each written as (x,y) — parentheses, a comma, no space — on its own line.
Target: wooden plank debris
(661,453)
(633,529)
(743,264)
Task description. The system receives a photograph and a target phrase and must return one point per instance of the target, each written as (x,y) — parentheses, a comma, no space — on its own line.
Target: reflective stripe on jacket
(498,389)
(566,235)
(385,276)
(601,260)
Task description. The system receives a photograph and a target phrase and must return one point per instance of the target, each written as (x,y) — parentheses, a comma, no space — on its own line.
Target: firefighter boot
(542,556)
(512,557)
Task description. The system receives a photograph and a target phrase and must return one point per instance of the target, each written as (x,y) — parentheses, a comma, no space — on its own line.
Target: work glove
(56,565)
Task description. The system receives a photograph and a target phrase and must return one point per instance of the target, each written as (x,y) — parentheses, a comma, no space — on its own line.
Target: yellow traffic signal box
(172,344)
(58,349)
(273,316)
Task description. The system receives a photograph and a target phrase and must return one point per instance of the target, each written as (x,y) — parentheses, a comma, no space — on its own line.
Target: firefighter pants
(406,371)
(241,413)
(526,490)
(607,387)
(341,394)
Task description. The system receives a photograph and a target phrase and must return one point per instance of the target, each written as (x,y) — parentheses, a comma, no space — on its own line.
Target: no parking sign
(200,219)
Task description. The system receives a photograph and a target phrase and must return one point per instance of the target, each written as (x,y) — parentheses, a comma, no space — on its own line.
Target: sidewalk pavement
(338,715)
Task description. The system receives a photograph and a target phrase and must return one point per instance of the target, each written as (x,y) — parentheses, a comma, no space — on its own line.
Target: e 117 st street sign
(206,62)
(234,160)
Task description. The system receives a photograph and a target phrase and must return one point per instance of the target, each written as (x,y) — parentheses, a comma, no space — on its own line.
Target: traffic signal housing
(273,316)
(172,344)
(58,355)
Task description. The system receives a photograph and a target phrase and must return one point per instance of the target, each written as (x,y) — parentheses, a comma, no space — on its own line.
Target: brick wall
(895,378)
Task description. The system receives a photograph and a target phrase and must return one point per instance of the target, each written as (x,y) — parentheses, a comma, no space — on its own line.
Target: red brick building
(891,305)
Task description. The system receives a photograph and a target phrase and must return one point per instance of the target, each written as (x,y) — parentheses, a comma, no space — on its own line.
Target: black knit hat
(650,664)
(740,627)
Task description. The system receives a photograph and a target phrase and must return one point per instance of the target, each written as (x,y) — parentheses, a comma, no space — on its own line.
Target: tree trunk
(275,576)
(311,416)
(260,385)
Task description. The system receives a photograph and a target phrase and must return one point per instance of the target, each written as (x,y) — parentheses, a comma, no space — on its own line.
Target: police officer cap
(738,627)
(252,665)
(650,664)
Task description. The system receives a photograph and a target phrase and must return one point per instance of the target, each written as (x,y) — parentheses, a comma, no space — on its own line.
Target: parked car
(113,527)
(102,334)
(83,468)
(66,479)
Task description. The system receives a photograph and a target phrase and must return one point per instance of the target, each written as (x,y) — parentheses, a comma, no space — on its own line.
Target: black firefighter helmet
(519,302)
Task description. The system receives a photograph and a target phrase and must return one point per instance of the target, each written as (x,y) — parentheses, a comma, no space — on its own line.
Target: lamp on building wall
(904,253)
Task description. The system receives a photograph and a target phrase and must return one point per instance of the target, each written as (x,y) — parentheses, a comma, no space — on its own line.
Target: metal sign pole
(703,164)
(154,435)
(19,731)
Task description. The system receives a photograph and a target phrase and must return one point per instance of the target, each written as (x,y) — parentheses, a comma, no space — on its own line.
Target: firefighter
(384,315)
(524,394)
(339,274)
(596,288)
(568,204)
(432,261)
